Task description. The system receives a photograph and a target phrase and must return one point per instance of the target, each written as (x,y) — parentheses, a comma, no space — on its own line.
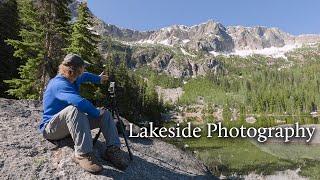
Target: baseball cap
(74,60)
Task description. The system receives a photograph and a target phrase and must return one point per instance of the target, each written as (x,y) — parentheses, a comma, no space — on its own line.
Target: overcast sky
(293,16)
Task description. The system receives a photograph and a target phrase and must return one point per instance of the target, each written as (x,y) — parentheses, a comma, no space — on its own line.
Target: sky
(292,16)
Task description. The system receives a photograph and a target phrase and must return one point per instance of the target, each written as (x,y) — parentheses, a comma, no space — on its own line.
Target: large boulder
(25,154)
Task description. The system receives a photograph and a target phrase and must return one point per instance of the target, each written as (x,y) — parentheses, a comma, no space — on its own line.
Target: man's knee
(70,108)
(107,115)
(73,111)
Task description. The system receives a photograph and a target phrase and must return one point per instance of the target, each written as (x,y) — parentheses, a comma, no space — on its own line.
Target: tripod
(115,113)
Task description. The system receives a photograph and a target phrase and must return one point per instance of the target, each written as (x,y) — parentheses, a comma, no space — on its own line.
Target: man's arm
(88,77)
(69,95)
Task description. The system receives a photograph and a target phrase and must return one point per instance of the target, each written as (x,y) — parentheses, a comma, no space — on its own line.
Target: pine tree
(83,40)
(55,14)
(9,28)
(43,35)
(30,50)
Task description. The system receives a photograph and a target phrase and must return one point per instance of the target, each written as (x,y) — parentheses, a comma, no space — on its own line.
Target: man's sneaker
(88,162)
(114,155)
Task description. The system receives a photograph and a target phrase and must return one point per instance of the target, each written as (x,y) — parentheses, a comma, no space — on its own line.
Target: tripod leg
(124,135)
(96,137)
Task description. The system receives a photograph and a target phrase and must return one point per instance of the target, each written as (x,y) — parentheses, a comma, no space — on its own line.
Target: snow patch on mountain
(186,53)
(276,52)
(165,42)
(185,41)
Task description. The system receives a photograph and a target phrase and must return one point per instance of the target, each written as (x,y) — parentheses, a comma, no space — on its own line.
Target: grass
(229,156)
(159,79)
(312,170)
(38,162)
(305,156)
(242,156)
(211,93)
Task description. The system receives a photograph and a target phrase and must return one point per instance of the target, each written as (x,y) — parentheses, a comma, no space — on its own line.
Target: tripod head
(112,85)
(111,88)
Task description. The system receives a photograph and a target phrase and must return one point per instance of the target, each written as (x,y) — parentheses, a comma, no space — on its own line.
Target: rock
(200,100)
(278,121)
(287,174)
(25,154)
(222,176)
(258,37)
(251,120)
(170,95)
(218,114)
(141,57)
(235,114)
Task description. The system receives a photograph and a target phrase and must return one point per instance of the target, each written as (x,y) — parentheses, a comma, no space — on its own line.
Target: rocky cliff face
(171,64)
(258,37)
(25,154)
(209,36)
(252,38)
(119,33)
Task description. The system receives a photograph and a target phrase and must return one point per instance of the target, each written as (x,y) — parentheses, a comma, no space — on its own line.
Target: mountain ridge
(209,36)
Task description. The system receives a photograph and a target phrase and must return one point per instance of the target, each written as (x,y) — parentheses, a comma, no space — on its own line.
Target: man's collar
(61,76)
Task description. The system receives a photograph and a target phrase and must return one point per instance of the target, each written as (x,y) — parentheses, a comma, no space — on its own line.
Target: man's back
(60,93)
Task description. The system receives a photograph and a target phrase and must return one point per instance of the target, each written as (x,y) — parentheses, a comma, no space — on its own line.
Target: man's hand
(102,111)
(104,77)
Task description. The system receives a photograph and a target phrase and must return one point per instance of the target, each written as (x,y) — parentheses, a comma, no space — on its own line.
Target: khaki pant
(72,121)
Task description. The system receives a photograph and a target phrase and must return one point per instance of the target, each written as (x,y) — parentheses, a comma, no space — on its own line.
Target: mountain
(120,33)
(209,36)
(186,51)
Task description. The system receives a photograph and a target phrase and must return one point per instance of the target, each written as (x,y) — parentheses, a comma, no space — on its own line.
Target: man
(67,113)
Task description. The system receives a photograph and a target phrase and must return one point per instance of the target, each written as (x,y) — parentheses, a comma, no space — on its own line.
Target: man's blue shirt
(61,93)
